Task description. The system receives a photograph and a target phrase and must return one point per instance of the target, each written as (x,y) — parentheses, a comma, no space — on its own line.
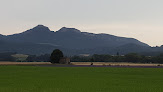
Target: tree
(132,57)
(92,59)
(31,58)
(159,58)
(56,56)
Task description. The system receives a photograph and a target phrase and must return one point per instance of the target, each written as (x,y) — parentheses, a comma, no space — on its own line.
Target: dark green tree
(56,56)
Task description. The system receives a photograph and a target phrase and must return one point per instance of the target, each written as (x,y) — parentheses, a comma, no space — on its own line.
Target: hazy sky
(140,19)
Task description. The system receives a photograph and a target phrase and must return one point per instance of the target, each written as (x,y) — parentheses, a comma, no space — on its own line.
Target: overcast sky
(140,19)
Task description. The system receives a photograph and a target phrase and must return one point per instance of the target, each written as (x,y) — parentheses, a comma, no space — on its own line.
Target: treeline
(7,56)
(41,58)
(10,56)
(131,57)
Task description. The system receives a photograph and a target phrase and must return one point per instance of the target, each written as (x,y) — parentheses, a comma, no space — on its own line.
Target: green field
(80,79)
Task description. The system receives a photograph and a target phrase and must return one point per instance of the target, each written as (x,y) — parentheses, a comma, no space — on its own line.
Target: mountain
(38,34)
(41,39)
(132,48)
(71,37)
(2,37)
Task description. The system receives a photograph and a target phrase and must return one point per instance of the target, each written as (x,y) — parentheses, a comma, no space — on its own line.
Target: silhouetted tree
(56,56)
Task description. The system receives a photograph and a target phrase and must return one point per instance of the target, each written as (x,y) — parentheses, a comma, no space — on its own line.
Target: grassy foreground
(80,79)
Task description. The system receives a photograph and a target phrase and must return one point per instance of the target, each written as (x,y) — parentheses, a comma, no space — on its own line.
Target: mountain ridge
(42,34)
(70,39)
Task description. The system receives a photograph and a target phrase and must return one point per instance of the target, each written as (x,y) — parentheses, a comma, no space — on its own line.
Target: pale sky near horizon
(140,19)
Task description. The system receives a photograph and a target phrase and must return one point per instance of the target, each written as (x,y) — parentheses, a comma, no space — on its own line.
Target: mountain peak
(41,28)
(40,25)
(65,29)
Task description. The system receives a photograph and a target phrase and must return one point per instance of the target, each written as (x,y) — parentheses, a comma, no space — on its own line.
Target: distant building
(20,57)
(64,60)
(84,55)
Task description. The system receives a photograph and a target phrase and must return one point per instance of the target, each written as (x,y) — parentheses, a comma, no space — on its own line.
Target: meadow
(80,79)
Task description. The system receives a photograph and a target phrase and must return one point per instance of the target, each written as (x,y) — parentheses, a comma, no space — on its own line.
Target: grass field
(80,79)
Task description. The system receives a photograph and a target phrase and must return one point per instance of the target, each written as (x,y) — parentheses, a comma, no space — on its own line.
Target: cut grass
(80,79)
